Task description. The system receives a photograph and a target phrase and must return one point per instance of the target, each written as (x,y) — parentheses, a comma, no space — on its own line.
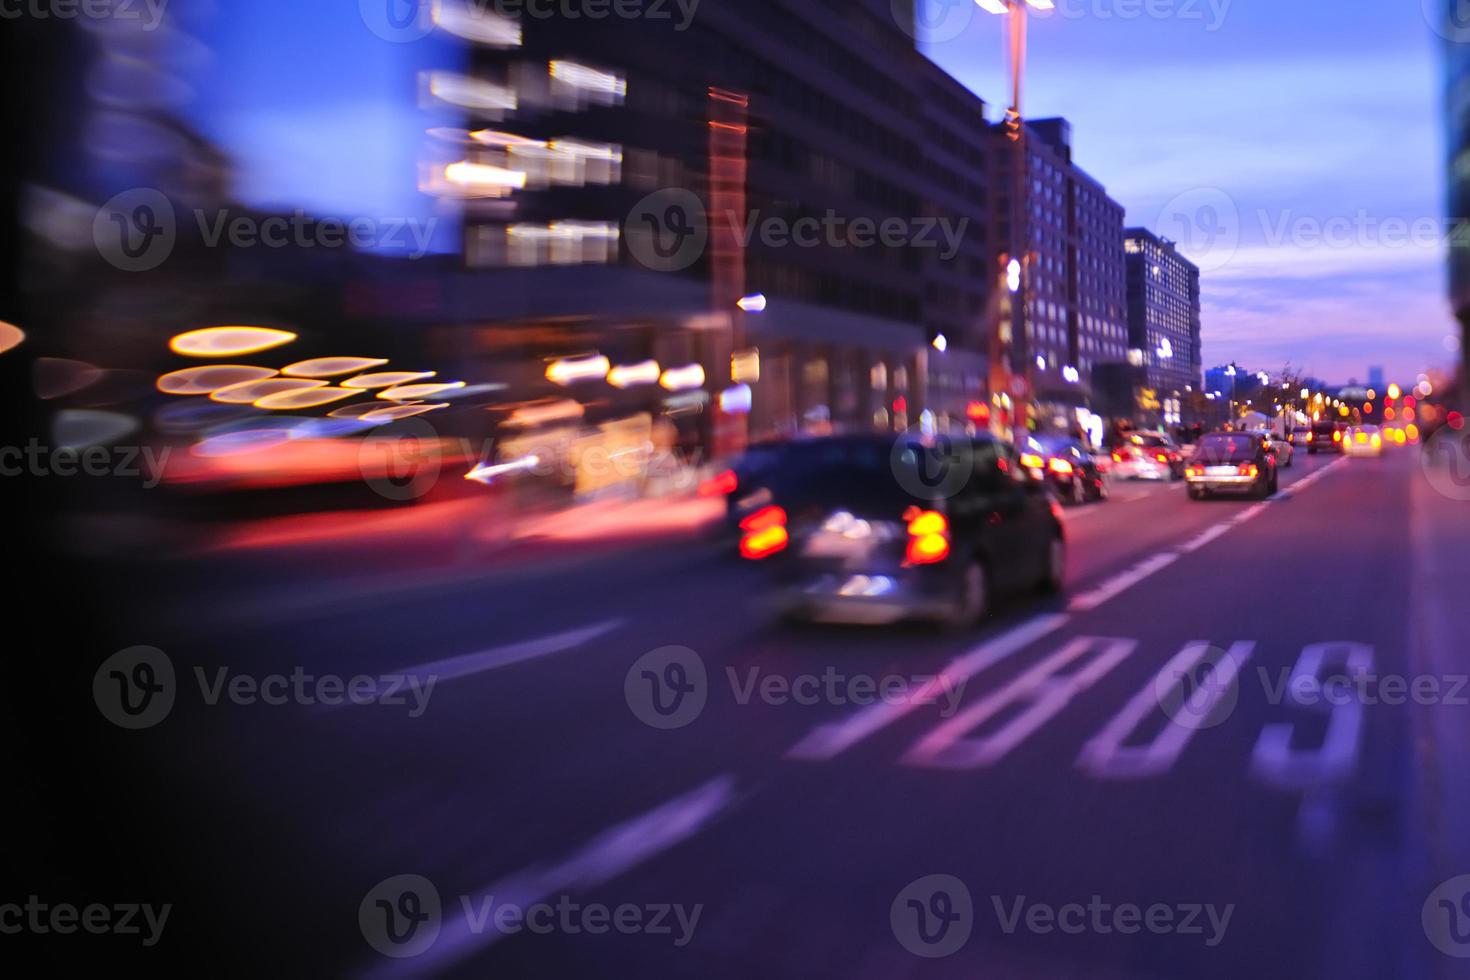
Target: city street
(1029,759)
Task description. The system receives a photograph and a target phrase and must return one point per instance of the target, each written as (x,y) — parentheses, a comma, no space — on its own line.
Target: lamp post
(1231,372)
(1014,357)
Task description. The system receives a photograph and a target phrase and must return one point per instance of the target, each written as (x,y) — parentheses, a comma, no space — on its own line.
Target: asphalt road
(1092,814)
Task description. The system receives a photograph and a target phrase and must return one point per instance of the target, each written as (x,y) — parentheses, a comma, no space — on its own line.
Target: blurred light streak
(542,412)
(587,79)
(331,367)
(11,336)
(483,176)
(475,22)
(229,341)
(54,377)
(683,378)
(471,93)
(631,375)
(411,393)
(305,398)
(210,378)
(250,392)
(487,474)
(80,428)
(184,417)
(569,370)
(397,412)
(386,379)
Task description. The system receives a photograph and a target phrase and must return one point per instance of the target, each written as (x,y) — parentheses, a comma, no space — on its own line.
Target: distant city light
(754,303)
(229,341)
(570,370)
(1071,374)
(631,375)
(941,343)
(683,378)
(1013,276)
(736,400)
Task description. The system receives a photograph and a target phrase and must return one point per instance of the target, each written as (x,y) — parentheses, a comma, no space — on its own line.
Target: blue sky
(1305,136)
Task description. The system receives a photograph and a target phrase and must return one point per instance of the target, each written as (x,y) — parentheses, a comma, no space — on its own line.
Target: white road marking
(514,653)
(830,740)
(1198,542)
(611,853)
(1123,581)
(1043,694)
(1275,762)
(1104,757)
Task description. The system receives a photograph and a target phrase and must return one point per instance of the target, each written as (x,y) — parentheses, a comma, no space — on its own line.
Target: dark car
(1326,436)
(1232,462)
(1066,465)
(874,529)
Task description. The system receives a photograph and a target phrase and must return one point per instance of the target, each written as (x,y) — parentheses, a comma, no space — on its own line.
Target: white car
(1147,456)
(1363,440)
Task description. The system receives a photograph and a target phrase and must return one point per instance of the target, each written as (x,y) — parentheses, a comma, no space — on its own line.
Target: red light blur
(765,517)
(719,486)
(1455,421)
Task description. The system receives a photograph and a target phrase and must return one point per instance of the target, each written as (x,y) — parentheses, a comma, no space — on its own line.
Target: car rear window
(1226,448)
(877,475)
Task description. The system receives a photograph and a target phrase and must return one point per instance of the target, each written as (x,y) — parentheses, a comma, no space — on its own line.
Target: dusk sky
(1296,124)
(1251,131)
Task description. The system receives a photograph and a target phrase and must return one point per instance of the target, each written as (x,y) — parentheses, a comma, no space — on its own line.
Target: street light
(1016,360)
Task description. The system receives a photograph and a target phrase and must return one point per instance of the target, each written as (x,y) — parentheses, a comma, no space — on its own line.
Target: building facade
(1163,320)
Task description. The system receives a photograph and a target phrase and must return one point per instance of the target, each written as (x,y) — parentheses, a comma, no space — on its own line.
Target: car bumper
(865,599)
(1225,484)
(1142,471)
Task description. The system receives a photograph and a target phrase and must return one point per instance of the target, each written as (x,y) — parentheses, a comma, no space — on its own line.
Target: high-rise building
(1075,305)
(1163,318)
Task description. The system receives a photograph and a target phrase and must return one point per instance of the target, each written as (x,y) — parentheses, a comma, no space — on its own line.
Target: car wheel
(1054,576)
(1275,485)
(1195,493)
(1102,489)
(1078,493)
(974,598)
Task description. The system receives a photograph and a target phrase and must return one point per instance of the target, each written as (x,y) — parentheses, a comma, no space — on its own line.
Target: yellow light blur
(410,393)
(745,366)
(387,379)
(1372,395)
(1394,391)
(394,413)
(930,547)
(304,398)
(331,367)
(481,176)
(250,392)
(210,377)
(10,336)
(1412,432)
(928,522)
(543,412)
(569,370)
(229,341)
(492,137)
(628,375)
(684,378)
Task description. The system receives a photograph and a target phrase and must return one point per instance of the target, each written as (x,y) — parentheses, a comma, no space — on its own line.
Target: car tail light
(1311,436)
(1362,437)
(1337,437)
(1032,461)
(1194,471)
(765,533)
(1060,467)
(928,536)
(1249,469)
(1162,457)
(720,486)
(1117,457)
(1377,441)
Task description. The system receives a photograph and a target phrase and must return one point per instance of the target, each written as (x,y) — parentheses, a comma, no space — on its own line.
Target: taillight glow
(1161,457)
(928,537)
(1311,437)
(1032,461)
(1337,437)
(1249,469)
(720,486)
(1194,471)
(765,533)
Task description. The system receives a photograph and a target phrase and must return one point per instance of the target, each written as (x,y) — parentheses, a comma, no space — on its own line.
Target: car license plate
(824,544)
(1219,471)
